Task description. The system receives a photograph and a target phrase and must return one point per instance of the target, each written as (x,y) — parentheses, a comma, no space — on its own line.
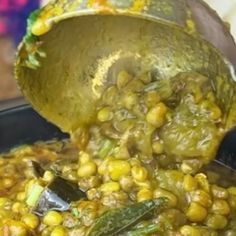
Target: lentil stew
(136,170)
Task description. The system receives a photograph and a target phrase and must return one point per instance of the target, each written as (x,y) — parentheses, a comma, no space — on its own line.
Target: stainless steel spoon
(65,61)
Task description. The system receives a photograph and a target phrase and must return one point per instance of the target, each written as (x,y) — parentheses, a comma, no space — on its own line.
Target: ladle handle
(227,150)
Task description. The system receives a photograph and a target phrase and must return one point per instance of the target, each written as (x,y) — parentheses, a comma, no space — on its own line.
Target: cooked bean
(84,157)
(172,199)
(221,207)
(126,183)
(89,182)
(16,207)
(232,201)
(88,205)
(202,181)
(130,100)
(21,196)
(68,168)
(216,113)
(52,218)
(110,187)
(72,176)
(93,193)
(87,169)
(196,213)
(17,228)
(219,192)
(144,194)
(216,221)
(58,231)
(118,168)
(144,184)
(31,220)
(46,231)
(105,114)
(102,168)
(152,98)
(40,27)
(232,190)
(123,78)
(115,199)
(139,173)
(187,169)
(8,182)
(201,197)
(135,86)
(188,230)
(156,115)
(189,183)
(110,95)
(135,162)
(157,147)
(48,176)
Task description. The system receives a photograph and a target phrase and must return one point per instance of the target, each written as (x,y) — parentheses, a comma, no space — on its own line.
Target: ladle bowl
(74,49)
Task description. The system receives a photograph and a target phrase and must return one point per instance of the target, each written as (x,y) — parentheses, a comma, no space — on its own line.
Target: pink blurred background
(13,16)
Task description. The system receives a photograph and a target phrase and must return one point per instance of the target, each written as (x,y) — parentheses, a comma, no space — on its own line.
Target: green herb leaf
(75,212)
(107,146)
(118,220)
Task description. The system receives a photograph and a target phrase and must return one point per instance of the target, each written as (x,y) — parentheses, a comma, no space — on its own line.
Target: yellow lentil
(144,194)
(31,220)
(139,173)
(189,183)
(87,169)
(118,168)
(156,115)
(172,199)
(58,231)
(220,207)
(110,187)
(196,213)
(216,222)
(40,27)
(188,230)
(52,218)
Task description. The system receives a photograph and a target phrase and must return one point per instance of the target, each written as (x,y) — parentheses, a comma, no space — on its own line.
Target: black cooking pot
(20,124)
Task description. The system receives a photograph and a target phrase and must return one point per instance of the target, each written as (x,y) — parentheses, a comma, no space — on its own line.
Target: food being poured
(135,170)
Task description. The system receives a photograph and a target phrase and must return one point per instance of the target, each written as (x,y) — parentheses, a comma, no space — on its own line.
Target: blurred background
(13,15)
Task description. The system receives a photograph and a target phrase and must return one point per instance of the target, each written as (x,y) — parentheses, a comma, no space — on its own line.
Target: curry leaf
(118,220)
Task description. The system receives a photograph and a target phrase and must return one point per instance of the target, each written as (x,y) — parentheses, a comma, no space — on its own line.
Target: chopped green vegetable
(118,220)
(29,37)
(34,195)
(75,212)
(32,45)
(106,148)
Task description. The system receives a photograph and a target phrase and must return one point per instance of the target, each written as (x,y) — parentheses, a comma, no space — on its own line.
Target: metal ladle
(73,50)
